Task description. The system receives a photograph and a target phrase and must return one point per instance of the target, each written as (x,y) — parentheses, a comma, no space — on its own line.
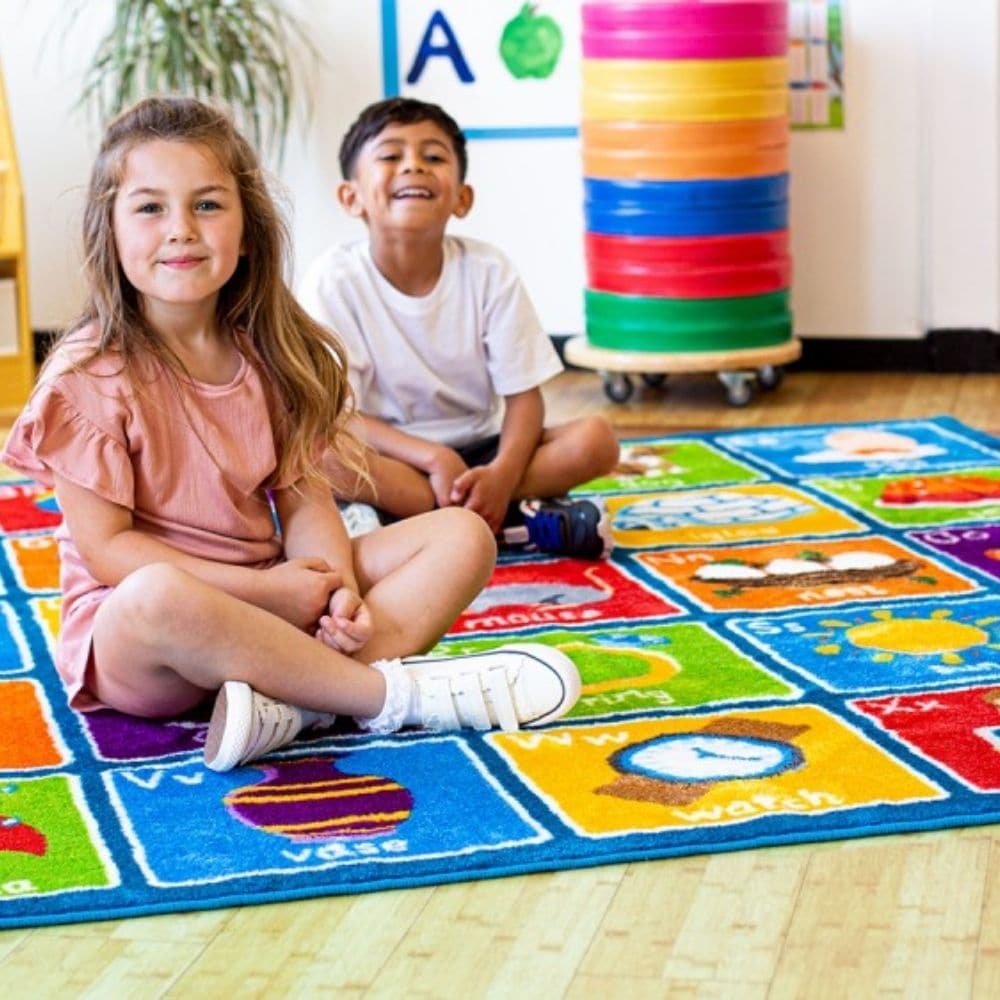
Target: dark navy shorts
(480,452)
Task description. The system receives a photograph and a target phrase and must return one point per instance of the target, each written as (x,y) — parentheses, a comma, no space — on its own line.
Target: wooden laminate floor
(903,916)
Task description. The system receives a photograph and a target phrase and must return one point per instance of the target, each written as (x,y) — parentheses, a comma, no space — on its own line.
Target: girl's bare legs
(164,640)
(417,576)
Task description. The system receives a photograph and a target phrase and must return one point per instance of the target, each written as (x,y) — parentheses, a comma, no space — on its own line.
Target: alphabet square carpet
(797,638)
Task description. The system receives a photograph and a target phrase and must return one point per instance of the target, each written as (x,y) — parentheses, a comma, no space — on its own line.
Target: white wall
(960,92)
(894,220)
(855,193)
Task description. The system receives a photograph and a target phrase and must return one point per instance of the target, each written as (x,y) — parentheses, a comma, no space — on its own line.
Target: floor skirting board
(952,351)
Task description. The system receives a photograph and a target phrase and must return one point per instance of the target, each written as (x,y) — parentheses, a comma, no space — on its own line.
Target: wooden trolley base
(739,371)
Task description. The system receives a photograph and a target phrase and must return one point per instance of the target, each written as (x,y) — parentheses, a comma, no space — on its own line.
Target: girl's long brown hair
(303,366)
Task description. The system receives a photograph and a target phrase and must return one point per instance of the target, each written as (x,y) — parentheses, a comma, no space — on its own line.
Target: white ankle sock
(402,700)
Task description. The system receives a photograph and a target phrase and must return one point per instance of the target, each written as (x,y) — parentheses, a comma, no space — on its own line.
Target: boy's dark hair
(399,111)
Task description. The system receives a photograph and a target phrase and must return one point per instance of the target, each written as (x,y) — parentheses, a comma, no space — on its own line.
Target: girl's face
(178,225)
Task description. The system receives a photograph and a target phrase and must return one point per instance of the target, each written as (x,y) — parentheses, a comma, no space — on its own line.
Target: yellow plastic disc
(684,90)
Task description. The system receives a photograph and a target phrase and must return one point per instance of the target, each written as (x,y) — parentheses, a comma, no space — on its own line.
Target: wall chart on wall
(816,64)
(504,70)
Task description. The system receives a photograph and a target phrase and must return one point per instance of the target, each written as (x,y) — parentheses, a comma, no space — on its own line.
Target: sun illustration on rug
(936,635)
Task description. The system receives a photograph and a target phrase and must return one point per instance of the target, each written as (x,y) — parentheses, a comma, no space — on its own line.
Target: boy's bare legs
(395,487)
(569,454)
(164,640)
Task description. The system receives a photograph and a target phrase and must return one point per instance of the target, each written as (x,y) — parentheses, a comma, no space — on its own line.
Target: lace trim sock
(400,694)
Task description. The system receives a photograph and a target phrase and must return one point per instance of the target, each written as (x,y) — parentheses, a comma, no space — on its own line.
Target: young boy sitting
(446,351)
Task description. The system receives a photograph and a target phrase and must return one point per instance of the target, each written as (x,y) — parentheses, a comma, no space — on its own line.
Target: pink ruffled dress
(188,458)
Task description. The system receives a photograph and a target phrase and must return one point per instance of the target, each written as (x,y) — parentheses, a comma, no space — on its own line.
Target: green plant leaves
(236,51)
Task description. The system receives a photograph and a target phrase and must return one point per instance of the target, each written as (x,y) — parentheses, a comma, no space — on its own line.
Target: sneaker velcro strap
(246,725)
(502,700)
(436,704)
(275,729)
(470,703)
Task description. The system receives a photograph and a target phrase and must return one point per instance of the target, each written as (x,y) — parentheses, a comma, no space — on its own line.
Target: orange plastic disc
(685,150)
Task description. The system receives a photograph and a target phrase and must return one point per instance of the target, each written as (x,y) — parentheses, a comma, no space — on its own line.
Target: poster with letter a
(503,69)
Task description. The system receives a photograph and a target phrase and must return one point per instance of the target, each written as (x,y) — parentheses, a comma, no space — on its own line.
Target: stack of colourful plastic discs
(685,152)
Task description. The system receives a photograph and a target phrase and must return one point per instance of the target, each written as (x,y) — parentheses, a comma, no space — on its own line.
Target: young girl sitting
(190,390)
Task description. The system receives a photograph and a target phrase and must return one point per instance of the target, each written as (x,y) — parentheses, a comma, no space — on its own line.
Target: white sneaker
(246,725)
(359,518)
(528,684)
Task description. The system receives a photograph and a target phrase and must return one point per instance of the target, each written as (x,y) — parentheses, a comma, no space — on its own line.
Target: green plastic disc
(641,323)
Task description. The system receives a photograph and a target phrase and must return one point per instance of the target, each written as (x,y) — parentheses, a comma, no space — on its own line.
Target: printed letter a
(449,47)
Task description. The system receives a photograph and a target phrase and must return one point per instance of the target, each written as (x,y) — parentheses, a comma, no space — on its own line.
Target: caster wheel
(769,377)
(618,388)
(739,387)
(740,395)
(654,379)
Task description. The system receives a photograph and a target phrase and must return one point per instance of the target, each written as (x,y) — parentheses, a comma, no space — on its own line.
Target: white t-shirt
(435,366)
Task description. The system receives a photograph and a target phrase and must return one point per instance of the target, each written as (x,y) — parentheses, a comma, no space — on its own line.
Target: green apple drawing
(531,44)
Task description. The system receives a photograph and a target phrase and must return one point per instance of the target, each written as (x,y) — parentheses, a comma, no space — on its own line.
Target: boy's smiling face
(406,179)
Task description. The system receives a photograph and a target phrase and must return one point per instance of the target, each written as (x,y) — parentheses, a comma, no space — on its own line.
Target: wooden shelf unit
(17,367)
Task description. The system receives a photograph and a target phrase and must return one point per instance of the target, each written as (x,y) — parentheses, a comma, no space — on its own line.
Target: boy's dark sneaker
(577,528)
